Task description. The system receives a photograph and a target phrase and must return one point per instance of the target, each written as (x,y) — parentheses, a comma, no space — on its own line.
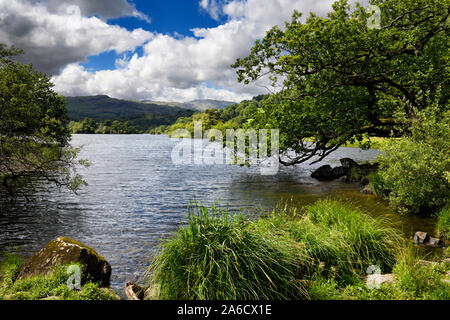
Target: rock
(348,163)
(338,172)
(380,279)
(367,189)
(51,298)
(323,173)
(369,166)
(435,242)
(134,291)
(421,237)
(64,251)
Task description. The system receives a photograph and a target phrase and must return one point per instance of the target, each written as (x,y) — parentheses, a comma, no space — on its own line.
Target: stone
(51,298)
(134,291)
(338,172)
(380,279)
(323,173)
(367,189)
(369,166)
(65,251)
(435,242)
(348,163)
(421,237)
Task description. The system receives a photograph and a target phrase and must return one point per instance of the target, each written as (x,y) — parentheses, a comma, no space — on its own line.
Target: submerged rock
(323,173)
(348,163)
(421,237)
(367,189)
(338,172)
(65,251)
(435,242)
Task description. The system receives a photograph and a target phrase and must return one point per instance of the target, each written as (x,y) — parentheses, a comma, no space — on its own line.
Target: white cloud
(213,7)
(105,9)
(52,40)
(174,68)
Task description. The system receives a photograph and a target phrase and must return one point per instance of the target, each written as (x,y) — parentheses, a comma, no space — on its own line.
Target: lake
(136,197)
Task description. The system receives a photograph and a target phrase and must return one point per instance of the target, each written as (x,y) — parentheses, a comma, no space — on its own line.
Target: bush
(415,169)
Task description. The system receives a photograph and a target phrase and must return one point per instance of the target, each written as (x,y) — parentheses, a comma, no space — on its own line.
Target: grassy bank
(321,252)
(51,287)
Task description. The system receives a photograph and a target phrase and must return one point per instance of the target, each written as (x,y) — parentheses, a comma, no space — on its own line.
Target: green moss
(41,287)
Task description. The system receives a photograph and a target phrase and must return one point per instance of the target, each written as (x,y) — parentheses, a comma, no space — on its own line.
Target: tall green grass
(222,256)
(217,256)
(444,221)
(339,237)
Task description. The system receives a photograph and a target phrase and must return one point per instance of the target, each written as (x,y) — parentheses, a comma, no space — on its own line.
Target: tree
(34,139)
(341,80)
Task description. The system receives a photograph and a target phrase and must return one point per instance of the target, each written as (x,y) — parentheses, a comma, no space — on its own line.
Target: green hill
(140,115)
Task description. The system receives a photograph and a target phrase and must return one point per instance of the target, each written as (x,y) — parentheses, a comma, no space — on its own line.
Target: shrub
(415,168)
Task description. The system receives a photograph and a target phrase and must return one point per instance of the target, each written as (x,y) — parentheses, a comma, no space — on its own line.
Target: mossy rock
(65,251)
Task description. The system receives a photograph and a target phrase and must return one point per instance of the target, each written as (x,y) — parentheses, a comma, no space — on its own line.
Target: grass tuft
(218,256)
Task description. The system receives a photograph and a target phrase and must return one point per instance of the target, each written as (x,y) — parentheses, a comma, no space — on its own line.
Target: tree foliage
(232,117)
(414,169)
(341,80)
(90,126)
(34,140)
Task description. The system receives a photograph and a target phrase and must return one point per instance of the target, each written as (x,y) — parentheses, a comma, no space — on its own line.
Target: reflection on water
(136,196)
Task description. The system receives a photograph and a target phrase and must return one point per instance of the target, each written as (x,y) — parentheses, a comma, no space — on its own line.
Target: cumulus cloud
(213,7)
(104,9)
(171,68)
(52,39)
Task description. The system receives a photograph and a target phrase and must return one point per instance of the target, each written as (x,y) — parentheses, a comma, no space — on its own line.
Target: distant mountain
(198,105)
(139,114)
(202,105)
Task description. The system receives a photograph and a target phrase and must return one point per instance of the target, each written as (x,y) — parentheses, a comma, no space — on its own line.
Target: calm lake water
(136,197)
